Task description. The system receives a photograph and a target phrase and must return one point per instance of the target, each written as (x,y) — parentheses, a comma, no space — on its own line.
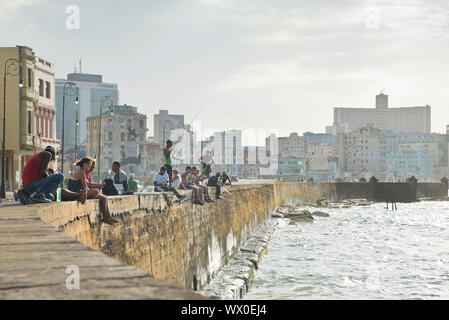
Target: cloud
(9,9)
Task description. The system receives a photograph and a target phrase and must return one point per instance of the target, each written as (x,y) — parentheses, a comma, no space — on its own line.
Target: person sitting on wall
(214,182)
(120,176)
(66,195)
(184,177)
(225,178)
(176,180)
(37,183)
(200,181)
(189,184)
(161,183)
(79,183)
(132,184)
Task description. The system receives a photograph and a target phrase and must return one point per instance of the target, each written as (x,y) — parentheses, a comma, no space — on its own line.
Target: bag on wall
(109,189)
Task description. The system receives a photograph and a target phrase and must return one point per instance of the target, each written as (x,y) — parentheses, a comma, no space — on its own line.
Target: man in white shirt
(161,181)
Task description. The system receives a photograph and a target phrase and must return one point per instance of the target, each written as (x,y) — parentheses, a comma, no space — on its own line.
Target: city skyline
(267,64)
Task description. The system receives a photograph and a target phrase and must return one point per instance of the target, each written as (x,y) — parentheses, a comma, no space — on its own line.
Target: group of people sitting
(40,183)
(191,179)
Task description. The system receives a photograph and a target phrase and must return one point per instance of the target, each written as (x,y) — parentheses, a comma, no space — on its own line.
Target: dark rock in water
(320,214)
(277,215)
(301,216)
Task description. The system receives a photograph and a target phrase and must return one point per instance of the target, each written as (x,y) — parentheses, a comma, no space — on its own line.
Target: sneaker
(209,200)
(182,197)
(50,197)
(41,198)
(23,197)
(198,202)
(218,197)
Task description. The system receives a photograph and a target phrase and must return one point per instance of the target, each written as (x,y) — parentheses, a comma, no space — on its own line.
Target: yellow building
(24,134)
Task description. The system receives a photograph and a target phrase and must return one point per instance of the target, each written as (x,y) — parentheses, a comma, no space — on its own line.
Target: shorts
(75,186)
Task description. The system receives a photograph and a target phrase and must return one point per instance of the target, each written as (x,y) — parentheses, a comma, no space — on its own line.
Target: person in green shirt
(167,158)
(132,184)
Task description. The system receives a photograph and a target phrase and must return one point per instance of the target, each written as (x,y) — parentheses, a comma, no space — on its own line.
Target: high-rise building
(92,89)
(406,119)
(123,138)
(30,110)
(164,124)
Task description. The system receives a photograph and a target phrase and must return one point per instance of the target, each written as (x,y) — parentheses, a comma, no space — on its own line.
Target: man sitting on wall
(214,182)
(37,183)
(161,183)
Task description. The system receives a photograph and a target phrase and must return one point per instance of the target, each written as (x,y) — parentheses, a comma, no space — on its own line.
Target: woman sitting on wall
(79,183)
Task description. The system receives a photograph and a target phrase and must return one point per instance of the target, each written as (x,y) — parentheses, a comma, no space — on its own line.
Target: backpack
(109,189)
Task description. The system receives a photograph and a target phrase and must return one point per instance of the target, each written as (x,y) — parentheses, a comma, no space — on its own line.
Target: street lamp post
(102,105)
(76,134)
(69,89)
(13,67)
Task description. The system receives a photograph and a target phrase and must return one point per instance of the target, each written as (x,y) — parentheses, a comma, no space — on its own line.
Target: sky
(275,65)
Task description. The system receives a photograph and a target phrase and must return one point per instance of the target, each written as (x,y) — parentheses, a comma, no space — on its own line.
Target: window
(47,90)
(141,124)
(29,78)
(41,87)
(29,122)
(122,136)
(110,136)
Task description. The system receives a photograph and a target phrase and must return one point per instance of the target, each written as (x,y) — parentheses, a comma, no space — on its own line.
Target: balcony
(30,142)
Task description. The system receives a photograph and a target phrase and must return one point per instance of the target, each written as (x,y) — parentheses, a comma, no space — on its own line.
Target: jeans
(217,188)
(45,185)
(164,188)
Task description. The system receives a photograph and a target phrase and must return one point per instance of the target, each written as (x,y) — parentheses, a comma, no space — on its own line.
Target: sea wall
(183,243)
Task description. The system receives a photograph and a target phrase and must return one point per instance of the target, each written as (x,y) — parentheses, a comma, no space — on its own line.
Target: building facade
(406,119)
(293,145)
(29,111)
(123,138)
(407,154)
(292,168)
(164,123)
(92,89)
(359,153)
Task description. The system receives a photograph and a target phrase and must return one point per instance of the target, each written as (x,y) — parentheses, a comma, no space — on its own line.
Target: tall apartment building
(92,89)
(293,145)
(164,123)
(123,138)
(359,152)
(30,110)
(406,119)
(227,146)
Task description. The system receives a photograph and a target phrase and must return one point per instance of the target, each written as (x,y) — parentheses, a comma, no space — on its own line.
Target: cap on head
(176,170)
(163,169)
(50,149)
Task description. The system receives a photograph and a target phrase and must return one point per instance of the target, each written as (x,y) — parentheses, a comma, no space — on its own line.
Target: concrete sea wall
(182,243)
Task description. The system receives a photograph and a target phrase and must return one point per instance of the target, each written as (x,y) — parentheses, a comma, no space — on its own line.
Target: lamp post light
(102,105)
(69,89)
(13,67)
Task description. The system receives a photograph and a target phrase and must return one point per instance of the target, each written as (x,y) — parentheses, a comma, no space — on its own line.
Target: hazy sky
(248,64)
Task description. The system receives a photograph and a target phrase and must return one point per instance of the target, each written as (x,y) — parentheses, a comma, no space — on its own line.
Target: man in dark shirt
(213,182)
(120,176)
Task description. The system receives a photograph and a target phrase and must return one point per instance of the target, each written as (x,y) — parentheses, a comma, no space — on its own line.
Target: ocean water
(361,252)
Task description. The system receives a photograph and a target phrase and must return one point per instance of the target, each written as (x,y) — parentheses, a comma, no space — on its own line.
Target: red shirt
(32,170)
(88,177)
